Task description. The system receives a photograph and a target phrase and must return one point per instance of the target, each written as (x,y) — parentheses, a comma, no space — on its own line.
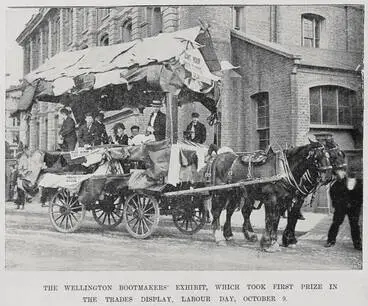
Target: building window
(126,31)
(263,119)
(104,40)
(56,35)
(36,51)
(311,30)
(84,19)
(154,19)
(45,43)
(69,25)
(331,105)
(237,17)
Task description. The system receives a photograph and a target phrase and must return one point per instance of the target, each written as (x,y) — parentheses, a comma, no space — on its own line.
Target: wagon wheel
(66,212)
(109,212)
(141,215)
(189,218)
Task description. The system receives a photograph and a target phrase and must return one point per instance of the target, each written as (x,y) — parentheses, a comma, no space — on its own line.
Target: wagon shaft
(221,187)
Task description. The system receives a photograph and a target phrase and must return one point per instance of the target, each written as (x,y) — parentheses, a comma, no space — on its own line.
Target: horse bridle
(336,150)
(291,179)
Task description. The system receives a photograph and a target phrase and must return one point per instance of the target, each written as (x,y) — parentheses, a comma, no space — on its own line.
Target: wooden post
(172,117)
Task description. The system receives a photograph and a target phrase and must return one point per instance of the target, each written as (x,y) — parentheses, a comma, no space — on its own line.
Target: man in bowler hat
(158,121)
(196,131)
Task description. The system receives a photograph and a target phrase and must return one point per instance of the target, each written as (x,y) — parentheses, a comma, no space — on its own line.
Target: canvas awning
(131,74)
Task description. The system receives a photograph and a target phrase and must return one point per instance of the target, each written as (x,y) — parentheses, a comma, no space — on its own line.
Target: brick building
(298,68)
(12,124)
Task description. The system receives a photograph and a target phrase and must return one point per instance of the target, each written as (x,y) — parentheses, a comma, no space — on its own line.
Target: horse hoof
(221,243)
(293,245)
(273,248)
(253,238)
(230,238)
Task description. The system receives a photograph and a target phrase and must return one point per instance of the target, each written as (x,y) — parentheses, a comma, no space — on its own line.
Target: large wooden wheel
(109,212)
(189,217)
(66,212)
(141,215)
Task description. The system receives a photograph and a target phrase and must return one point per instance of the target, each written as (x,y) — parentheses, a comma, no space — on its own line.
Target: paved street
(33,244)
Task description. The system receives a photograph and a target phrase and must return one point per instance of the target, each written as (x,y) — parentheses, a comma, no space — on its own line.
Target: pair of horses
(305,169)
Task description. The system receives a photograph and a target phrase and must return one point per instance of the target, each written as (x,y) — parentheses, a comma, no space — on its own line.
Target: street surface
(33,244)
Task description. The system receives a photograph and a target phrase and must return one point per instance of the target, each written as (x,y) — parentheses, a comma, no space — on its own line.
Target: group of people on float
(93,131)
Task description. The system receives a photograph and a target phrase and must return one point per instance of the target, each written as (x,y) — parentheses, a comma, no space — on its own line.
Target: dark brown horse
(301,164)
(338,163)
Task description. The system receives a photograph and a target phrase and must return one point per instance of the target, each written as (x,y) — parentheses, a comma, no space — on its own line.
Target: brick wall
(257,21)
(308,78)
(264,71)
(355,30)
(334,33)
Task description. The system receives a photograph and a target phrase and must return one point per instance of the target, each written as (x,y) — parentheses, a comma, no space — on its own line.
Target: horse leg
(247,226)
(269,238)
(288,237)
(218,203)
(208,209)
(228,234)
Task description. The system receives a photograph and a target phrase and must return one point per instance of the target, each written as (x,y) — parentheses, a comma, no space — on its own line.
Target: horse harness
(307,183)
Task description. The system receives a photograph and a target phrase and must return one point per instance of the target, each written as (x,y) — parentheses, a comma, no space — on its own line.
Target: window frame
(262,97)
(317,21)
(337,89)
(237,17)
(124,27)
(102,38)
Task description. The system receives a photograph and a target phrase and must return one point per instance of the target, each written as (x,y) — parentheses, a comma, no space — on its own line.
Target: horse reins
(292,181)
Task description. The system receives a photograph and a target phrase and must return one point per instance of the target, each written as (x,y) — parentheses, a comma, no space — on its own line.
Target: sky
(15,22)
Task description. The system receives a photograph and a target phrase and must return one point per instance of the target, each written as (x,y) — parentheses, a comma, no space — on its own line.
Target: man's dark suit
(159,126)
(199,132)
(87,135)
(69,134)
(101,137)
(346,202)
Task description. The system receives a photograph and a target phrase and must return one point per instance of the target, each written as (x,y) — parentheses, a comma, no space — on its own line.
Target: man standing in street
(158,121)
(196,131)
(347,199)
(101,137)
(67,131)
(87,134)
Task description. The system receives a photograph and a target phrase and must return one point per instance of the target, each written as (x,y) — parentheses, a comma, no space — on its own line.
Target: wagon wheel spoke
(145,224)
(112,216)
(59,217)
(71,220)
(108,218)
(132,219)
(62,220)
(135,204)
(75,218)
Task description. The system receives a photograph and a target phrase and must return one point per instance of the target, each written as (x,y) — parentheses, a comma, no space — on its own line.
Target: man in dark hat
(67,131)
(196,131)
(158,121)
(101,137)
(87,134)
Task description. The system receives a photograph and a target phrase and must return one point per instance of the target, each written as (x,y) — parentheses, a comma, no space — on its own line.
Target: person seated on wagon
(195,131)
(87,134)
(134,131)
(119,134)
